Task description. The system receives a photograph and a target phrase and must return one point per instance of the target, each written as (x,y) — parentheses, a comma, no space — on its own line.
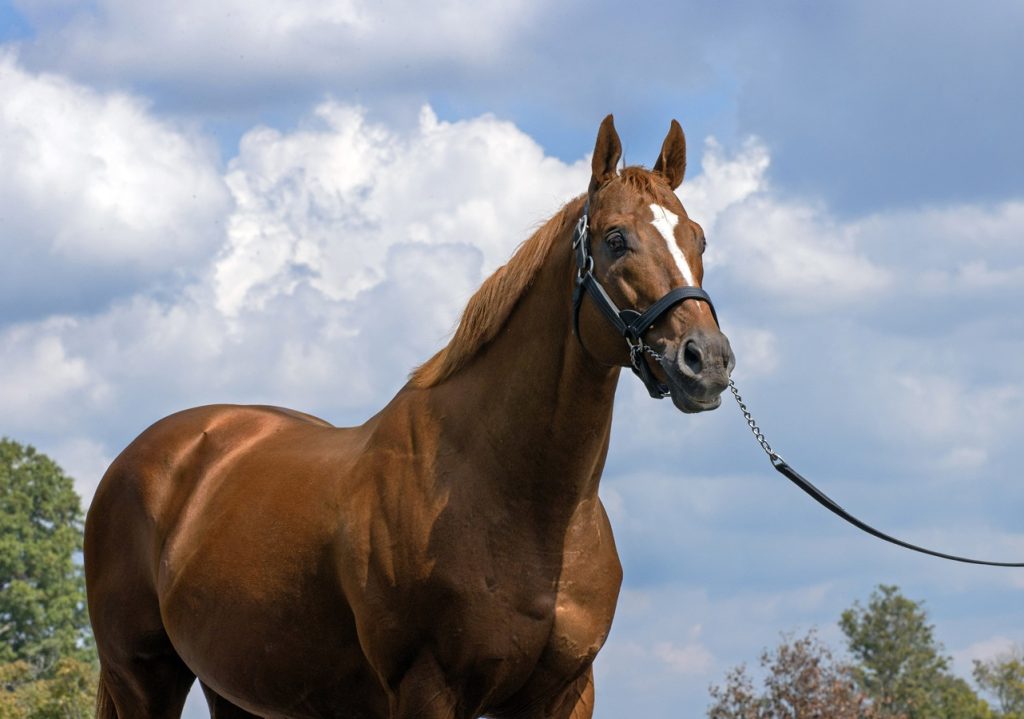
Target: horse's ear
(607,152)
(672,160)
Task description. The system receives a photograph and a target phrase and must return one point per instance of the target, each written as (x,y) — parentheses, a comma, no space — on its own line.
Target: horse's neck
(533,403)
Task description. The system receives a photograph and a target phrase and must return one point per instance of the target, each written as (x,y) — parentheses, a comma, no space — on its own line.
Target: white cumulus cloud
(326,203)
(347,256)
(98,196)
(235,46)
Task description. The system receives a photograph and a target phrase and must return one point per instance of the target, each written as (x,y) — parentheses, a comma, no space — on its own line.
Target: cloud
(798,253)
(864,106)
(725,180)
(98,198)
(786,249)
(949,412)
(328,202)
(339,253)
(347,255)
(85,460)
(993,648)
(670,641)
(689,658)
(41,375)
(231,51)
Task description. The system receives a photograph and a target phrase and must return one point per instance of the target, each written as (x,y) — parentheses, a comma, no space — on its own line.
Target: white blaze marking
(665,222)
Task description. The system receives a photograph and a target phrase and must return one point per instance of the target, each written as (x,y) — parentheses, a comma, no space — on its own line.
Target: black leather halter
(631,324)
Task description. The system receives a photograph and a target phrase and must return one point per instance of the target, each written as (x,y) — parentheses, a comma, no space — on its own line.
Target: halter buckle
(581,231)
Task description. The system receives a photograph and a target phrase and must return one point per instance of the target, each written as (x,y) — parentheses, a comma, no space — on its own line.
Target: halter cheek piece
(631,324)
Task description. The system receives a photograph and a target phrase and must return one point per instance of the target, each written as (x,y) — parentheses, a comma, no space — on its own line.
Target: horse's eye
(616,242)
(703,244)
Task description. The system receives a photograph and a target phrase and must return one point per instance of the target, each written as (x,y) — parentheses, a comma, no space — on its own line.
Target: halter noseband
(631,324)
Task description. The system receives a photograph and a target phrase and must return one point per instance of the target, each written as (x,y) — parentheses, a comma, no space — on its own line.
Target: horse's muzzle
(700,369)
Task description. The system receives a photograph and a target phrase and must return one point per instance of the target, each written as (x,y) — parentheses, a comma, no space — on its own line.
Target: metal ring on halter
(584,270)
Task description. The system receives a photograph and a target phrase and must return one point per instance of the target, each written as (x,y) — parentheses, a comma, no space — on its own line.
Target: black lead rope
(782,467)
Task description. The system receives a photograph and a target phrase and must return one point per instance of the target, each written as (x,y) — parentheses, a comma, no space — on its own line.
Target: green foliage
(897,661)
(802,681)
(1003,677)
(47,665)
(898,671)
(899,664)
(67,692)
(42,592)
(957,700)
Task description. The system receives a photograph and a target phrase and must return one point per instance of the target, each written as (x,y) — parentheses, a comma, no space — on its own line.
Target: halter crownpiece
(631,324)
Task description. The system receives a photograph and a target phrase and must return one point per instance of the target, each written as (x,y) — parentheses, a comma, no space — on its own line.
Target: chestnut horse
(448,558)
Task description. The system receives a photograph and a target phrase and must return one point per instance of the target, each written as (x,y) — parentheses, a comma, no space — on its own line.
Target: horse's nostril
(693,358)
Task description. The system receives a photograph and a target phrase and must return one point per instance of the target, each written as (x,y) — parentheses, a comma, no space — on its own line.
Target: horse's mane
(489,308)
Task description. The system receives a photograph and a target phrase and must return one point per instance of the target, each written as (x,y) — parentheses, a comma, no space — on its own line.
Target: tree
(42,592)
(802,681)
(899,664)
(897,671)
(47,664)
(68,691)
(1003,677)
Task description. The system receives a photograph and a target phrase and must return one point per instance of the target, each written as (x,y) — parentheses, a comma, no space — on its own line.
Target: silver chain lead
(636,350)
(758,434)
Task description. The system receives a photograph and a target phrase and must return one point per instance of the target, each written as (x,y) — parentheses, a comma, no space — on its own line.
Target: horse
(450,558)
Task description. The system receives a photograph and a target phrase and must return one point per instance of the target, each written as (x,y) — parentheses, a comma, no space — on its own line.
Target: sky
(290,204)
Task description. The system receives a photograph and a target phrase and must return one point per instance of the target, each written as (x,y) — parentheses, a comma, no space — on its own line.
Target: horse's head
(642,247)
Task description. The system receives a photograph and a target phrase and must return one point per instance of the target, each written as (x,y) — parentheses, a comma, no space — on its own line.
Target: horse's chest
(530,640)
(584,607)
(544,628)
(508,618)
(580,628)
